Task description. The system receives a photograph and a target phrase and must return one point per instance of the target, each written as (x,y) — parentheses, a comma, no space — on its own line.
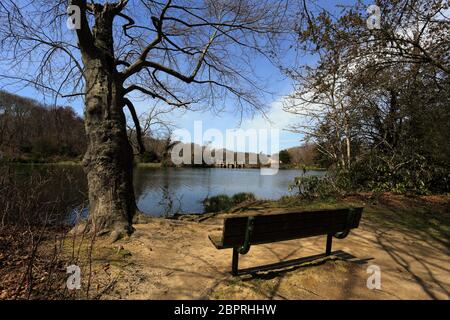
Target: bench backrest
(290,225)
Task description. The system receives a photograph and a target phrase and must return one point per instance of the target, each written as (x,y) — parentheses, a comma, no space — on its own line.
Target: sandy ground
(174,259)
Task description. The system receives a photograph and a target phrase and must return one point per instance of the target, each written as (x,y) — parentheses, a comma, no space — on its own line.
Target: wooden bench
(241,232)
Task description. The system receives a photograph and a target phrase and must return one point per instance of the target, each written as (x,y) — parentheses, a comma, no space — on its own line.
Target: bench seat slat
(290,217)
(288,226)
(239,228)
(277,235)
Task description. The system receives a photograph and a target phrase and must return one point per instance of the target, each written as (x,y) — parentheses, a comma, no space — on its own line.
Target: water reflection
(181,190)
(165,191)
(55,194)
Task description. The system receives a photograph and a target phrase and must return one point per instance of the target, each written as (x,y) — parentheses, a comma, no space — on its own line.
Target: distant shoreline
(158,165)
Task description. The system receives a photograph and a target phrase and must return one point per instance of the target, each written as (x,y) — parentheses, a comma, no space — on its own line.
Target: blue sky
(230,119)
(226,119)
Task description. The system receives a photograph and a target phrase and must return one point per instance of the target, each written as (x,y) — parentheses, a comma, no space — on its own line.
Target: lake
(181,190)
(165,191)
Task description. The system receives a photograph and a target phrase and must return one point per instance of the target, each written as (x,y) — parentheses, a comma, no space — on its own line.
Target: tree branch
(141,147)
(136,66)
(85,37)
(154,95)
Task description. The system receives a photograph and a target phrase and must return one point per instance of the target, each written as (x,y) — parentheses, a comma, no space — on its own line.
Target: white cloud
(276,118)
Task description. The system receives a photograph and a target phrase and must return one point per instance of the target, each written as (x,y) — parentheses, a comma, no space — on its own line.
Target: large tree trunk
(109,158)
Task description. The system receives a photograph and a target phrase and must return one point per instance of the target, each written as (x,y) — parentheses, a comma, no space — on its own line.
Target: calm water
(172,190)
(166,191)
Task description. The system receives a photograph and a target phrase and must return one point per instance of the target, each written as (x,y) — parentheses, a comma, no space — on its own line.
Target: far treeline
(32,132)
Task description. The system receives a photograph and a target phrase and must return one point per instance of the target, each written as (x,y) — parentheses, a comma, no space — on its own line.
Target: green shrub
(403,173)
(218,203)
(400,173)
(243,197)
(223,202)
(315,187)
(150,156)
(285,157)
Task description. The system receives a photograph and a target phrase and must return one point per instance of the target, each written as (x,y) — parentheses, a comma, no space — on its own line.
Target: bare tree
(359,93)
(154,128)
(321,99)
(185,53)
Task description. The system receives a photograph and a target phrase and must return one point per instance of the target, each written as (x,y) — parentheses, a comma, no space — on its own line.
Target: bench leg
(329,241)
(234,262)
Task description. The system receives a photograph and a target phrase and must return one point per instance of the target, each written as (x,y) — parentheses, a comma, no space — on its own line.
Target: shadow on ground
(173,259)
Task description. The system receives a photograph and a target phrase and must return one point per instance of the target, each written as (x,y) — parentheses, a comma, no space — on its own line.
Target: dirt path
(172,259)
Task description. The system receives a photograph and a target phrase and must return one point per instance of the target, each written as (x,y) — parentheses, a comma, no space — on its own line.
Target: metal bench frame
(245,247)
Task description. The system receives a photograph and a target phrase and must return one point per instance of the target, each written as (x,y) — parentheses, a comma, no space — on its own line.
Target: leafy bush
(285,157)
(218,203)
(402,173)
(150,156)
(317,187)
(243,197)
(223,202)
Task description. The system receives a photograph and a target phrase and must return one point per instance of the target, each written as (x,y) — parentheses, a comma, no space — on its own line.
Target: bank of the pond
(407,238)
